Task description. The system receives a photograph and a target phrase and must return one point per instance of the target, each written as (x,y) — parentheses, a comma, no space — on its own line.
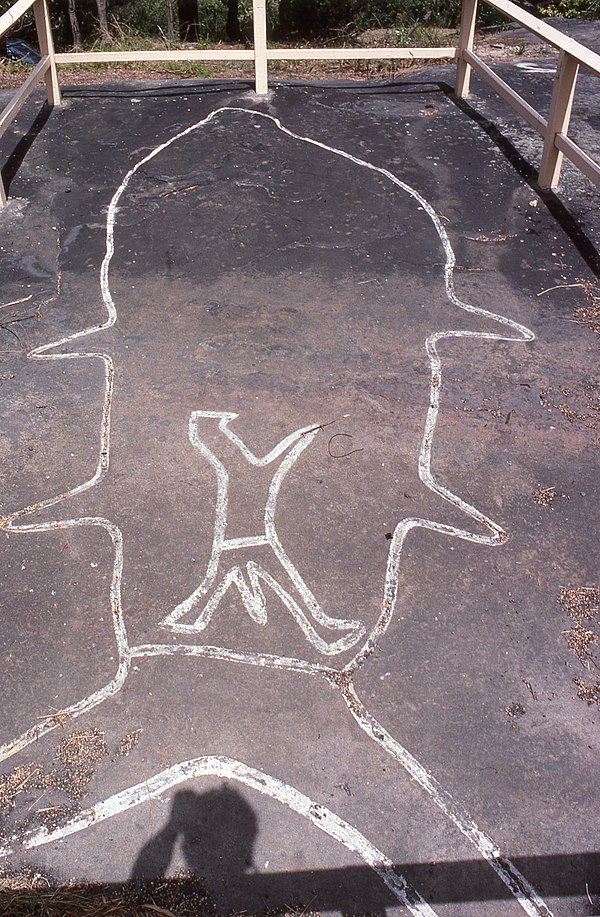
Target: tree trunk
(102,20)
(74,25)
(188,20)
(234,33)
(170,21)
(286,17)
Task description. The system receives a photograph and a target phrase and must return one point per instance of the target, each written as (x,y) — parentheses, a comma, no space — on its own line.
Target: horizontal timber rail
(361,53)
(99,57)
(18,100)
(554,130)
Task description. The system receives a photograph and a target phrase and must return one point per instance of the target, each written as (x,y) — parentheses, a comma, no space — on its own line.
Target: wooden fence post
(558,120)
(261,78)
(44,32)
(468,18)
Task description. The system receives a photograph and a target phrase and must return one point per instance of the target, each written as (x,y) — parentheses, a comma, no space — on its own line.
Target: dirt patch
(582,605)
(544,496)
(79,753)
(128,743)
(580,641)
(582,405)
(589,315)
(11,785)
(514,713)
(53,793)
(28,894)
(590,693)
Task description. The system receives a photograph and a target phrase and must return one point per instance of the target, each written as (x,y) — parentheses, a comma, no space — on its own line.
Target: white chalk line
(230,769)
(124,653)
(523,891)
(527,900)
(261,660)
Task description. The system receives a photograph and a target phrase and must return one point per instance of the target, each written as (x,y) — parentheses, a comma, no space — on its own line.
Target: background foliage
(289,20)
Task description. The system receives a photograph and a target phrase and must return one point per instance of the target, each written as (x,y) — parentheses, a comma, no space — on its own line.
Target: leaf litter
(582,605)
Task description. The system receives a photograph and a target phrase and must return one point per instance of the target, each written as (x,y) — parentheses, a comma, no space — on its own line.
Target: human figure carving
(295,595)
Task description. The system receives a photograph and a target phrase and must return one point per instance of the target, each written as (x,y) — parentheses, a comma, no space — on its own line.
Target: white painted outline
(520,887)
(531,67)
(230,769)
(253,596)
(526,896)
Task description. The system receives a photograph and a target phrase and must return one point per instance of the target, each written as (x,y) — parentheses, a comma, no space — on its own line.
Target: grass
(30,894)
(125,39)
(133,42)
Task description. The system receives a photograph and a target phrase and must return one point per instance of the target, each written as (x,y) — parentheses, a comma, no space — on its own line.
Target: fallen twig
(341,454)
(5,327)
(56,718)
(561,286)
(319,426)
(16,302)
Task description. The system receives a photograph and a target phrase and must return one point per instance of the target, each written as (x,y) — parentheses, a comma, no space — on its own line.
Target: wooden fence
(572,54)
(554,129)
(46,68)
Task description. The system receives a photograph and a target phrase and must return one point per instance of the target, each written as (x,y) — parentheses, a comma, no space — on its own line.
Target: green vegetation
(82,23)
(130,23)
(571,9)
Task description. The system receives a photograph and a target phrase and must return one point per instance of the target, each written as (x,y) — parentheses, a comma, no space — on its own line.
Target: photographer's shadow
(215,832)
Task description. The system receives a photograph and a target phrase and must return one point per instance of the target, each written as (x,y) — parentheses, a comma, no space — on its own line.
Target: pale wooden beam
(558,119)
(580,159)
(8,19)
(8,114)
(221,54)
(44,32)
(466,39)
(261,77)
(104,57)
(361,53)
(509,95)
